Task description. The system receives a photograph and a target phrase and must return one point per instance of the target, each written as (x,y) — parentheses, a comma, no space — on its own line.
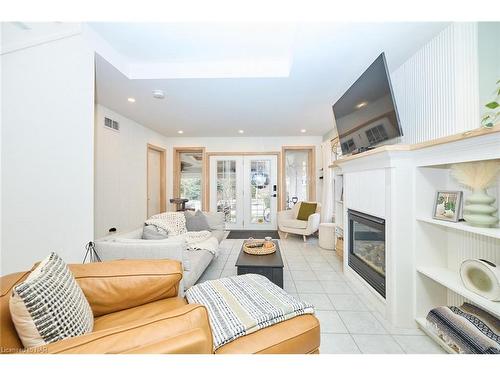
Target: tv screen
(366,114)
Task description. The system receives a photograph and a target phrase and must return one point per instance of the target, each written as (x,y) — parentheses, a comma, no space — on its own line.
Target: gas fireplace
(367,248)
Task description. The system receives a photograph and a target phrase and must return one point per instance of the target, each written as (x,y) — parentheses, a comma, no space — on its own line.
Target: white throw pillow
(50,305)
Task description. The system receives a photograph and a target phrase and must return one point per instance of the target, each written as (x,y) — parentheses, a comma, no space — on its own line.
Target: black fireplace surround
(367,248)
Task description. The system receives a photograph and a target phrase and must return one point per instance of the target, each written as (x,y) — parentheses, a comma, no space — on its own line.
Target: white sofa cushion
(294,223)
(199,259)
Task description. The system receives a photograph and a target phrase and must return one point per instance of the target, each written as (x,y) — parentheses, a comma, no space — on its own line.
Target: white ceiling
(283,77)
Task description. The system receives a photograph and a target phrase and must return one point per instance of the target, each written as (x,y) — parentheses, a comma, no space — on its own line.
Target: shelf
(488,232)
(422,323)
(451,280)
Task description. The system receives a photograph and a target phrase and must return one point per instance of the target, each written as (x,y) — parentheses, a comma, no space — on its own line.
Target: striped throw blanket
(466,329)
(240,305)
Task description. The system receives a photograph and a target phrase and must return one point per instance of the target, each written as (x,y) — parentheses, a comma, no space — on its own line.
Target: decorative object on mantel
(478,176)
(466,329)
(447,205)
(481,277)
(492,114)
(336,149)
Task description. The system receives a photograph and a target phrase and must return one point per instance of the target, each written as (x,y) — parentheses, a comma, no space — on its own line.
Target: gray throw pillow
(152,232)
(196,222)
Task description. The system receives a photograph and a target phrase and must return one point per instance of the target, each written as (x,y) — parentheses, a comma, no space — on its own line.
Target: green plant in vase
(492,115)
(478,176)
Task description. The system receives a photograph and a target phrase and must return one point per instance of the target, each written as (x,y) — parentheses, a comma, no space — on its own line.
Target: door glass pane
(226,189)
(260,191)
(191,178)
(296,177)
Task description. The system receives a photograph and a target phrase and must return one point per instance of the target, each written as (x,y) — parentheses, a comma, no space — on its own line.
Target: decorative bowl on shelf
(259,247)
(481,277)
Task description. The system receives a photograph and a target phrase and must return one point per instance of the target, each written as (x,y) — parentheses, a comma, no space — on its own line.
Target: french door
(244,187)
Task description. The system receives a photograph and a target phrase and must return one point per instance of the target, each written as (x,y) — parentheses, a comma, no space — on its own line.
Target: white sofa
(130,245)
(288,222)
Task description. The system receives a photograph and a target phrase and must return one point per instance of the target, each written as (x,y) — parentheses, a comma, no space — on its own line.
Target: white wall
(47,152)
(489,60)
(120,172)
(120,167)
(436,90)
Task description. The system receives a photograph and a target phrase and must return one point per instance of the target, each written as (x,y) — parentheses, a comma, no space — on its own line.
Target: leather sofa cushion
(9,338)
(149,310)
(299,335)
(123,284)
(294,223)
(182,330)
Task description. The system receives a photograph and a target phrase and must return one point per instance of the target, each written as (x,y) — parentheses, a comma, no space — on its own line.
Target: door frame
(247,153)
(163,180)
(177,176)
(311,171)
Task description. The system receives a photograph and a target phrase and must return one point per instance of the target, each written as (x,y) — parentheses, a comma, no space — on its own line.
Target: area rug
(244,234)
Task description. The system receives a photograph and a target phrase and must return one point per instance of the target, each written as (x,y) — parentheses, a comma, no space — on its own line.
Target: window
(298,175)
(376,134)
(189,176)
(348,146)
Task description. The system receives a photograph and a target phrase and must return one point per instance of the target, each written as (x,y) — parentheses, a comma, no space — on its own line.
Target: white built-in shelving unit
(338,209)
(464,227)
(441,246)
(423,254)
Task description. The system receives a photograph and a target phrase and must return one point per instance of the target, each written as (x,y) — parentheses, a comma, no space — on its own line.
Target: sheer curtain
(327,191)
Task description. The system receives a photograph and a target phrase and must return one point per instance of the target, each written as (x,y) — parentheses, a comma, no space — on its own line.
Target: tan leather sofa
(136,310)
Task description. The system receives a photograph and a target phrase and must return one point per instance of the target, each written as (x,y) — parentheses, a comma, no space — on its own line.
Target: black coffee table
(270,266)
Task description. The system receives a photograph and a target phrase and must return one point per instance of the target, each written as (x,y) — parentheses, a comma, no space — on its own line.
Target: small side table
(327,236)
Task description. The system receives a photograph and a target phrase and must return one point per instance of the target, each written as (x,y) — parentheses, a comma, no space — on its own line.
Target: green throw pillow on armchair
(305,210)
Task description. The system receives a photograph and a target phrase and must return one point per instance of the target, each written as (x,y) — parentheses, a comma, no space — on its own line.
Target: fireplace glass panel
(369,246)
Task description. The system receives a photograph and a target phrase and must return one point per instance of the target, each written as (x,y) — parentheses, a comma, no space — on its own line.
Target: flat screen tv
(366,115)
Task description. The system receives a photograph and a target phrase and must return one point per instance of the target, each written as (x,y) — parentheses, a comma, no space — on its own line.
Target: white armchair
(288,223)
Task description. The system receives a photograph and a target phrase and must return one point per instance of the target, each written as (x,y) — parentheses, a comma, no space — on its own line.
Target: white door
(260,192)
(226,188)
(245,189)
(154,182)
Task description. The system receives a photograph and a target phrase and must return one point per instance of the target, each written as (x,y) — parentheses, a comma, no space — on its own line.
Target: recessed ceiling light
(303,130)
(361,105)
(180,131)
(131,100)
(241,131)
(158,94)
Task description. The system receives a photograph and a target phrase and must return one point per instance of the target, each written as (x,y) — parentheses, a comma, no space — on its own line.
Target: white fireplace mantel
(387,183)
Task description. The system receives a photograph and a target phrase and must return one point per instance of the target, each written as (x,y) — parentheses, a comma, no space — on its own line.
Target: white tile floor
(348,323)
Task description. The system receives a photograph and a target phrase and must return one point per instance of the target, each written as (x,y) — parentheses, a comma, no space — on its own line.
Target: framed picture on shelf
(448,205)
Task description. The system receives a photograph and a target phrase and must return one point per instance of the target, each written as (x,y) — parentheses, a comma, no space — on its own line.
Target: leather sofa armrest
(123,284)
(185,330)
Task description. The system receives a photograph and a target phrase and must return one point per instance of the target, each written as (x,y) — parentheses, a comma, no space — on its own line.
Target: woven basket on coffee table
(256,247)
